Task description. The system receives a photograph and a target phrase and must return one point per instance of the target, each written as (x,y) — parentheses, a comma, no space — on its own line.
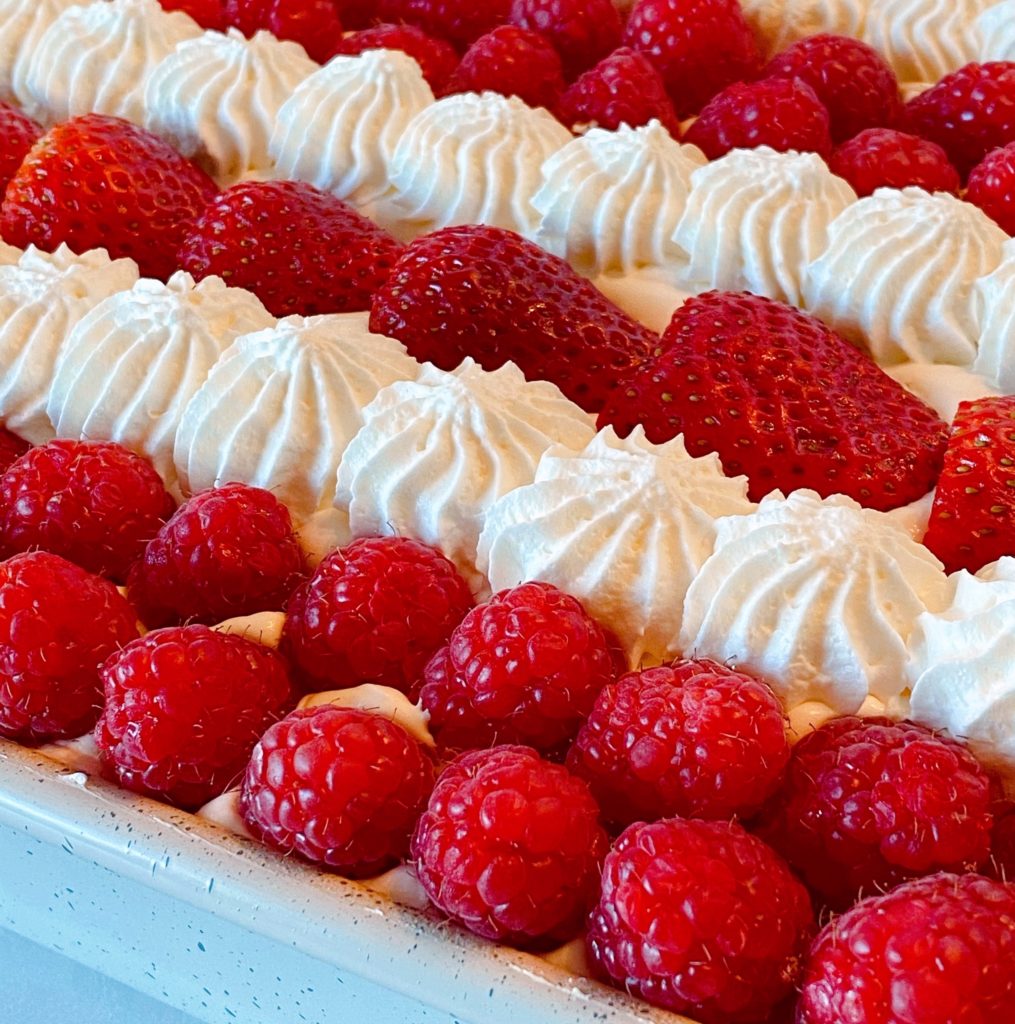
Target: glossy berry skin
(207,13)
(461,22)
(783,399)
(58,624)
(12,448)
(224,552)
(510,846)
(525,668)
(437,58)
(887,158)
(968,113)
(869,803)
(184,707)
(937,950)
(623,88)
(314,24)
(698,46)
(488,293)
(991,186)
(694,739)
(513,62)
(93,502)
(101,182)
(337,786)
(18,134)
(299,250)
(784,114)
(581,31)
(374,612)
(702,918)
(972,520)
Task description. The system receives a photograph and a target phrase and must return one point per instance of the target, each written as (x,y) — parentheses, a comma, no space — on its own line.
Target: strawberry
(582,31)
(314,24)
(972,521)
(783,399)
(460,21)
(101,182)
(298,249)
(18,134)
(488,293)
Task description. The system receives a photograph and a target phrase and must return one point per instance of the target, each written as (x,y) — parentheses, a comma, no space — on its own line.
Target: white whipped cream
(321,533)
(379,700)
(962,664)
(623,525)
(941,386)
(42,297)
(97,58)
(610,200)
(280,405)
(780,23)
(755,218)
(899,272)
(996,27)
(22,24)
(216,99)
(436,453)
(924,40)
(9,254)
(650,295)
(474,158)
(129,368)
(995,357)
(339,129)
(264,628)
(818,597)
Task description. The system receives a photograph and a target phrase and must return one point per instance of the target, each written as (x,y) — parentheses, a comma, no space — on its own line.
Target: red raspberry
(701,918)
(694,739)
(93,502)
(514,62)
(582,31)
(868,803)
(207,13)
(12,448)
(510,846)
(374,612)
(852,80)
(514,301)
(938,950)
(58,624)
(525,667)
(623,88)
(314,24)
(698,46)
(437,58)
(227,551)
(1002,844)
(992,186)
(782,113)
(885,158)
(340,787)
(18,134)
(783,399)
(968,113)
(99,182)
(357,14)
(298,249)
(184,708)
(460,21)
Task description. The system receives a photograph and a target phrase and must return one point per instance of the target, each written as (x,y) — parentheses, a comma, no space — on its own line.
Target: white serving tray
(228,932)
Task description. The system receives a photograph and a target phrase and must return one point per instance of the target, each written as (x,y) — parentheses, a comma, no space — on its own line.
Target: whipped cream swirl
(996,26)
(818,597)
(623,525)
(780,23)
(22,24)
(995,358)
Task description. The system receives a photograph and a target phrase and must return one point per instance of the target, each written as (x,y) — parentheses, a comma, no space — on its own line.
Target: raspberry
(968,113)
(701,918)
(868,803)
(623,88)
(437,58)
(992,186)
(1002,844)
(514,62)
(581,31)
(338,786)
(937,950)
(510,846)
(782,113)
(885,158)
(227,551)
(12,448)
(374,612)
(18,134)
(698,46)
(525,667)
(460,21)
(314,24)
(358,14)
(93,502)
(207,13)
(184,708)
(694,739)
(58,624)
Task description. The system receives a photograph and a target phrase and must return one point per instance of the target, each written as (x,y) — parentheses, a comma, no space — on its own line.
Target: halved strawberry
(17,136)
(487,293)
(972,521)
(783,399)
